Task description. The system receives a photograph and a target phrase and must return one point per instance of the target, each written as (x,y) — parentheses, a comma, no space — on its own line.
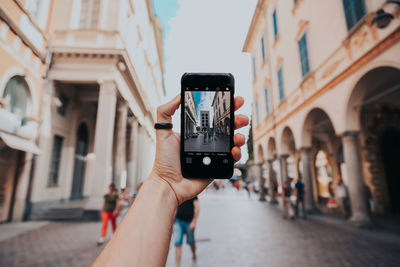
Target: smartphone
(207,124)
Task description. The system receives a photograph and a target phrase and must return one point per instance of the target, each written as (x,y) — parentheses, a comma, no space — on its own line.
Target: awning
(19,143)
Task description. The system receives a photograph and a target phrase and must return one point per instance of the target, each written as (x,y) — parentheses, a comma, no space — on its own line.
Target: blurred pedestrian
(241,183)
(286,201)
(109,212)
(125,201)
(249,188)
(236,185)
(299,192)
(185,224)
(331,203)
(343,197)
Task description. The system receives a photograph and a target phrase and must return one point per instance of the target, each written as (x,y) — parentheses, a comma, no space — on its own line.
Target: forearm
(143,237)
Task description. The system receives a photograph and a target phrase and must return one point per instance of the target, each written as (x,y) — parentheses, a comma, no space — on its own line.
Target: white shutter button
(206,160)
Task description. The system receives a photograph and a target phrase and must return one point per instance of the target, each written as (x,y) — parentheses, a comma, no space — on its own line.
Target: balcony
(85,39)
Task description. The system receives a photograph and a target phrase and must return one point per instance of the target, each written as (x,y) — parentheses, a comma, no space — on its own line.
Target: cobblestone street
(232,231)
(210,144)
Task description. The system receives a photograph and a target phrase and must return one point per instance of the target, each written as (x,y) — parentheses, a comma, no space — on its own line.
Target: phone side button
(206,160)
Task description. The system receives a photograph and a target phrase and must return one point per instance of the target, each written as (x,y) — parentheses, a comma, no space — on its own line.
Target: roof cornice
(257,12)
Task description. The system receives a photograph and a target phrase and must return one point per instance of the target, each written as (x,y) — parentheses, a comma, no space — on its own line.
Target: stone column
(358,199)
(307,179)
(262,182)
(139,158)
(132,158)
(22,187)
(271,183)
(120,155)
(283,166)
(103,146)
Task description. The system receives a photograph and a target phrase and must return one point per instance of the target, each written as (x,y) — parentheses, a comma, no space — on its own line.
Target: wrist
(163,188)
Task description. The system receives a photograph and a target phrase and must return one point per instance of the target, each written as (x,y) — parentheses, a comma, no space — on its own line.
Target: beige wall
(338,59)
(121,51)
(22,52)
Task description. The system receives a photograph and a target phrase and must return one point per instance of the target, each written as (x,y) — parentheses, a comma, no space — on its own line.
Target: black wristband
(163,126)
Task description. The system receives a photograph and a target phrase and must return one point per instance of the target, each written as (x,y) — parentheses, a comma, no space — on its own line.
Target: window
(280,83)
(257,121)
(275,24)
(263,48)
(254,67)
(55,160)
(90,14)
(16,96)
(354,10)
(224,106)
(305,67)
(266,100)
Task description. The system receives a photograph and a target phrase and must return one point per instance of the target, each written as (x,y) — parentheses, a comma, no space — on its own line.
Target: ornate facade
(326,100)
(221,107)
(22,68)
(190,114)
(98,97)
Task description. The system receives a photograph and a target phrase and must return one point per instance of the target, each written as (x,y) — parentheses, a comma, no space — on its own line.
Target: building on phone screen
(221,107)
(205,120)
(190,115)
(327,102)
(79,84)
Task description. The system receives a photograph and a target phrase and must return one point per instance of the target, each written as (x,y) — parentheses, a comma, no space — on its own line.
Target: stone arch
(364,90)
(316,119)
(32,90)
(271,148)
(373,109)
(288,145)
(260,154)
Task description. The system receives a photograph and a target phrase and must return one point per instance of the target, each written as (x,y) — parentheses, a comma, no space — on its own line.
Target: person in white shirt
(343,196)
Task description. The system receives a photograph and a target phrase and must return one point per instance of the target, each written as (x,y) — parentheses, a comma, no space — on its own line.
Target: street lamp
(382,19)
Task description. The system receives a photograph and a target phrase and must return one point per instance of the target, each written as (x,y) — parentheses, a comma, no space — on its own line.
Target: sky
(204,102)
(207,36)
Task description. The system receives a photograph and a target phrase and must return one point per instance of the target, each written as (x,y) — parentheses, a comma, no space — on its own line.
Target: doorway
(390,148)
(81,149)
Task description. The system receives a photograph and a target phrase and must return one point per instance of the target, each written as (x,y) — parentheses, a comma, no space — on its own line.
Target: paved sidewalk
(9,230)
(235,231)
(232,230)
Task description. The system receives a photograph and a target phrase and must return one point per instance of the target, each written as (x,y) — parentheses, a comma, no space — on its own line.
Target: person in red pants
(109,212)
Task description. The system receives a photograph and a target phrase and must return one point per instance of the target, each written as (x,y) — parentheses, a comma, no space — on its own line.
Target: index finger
(239,101)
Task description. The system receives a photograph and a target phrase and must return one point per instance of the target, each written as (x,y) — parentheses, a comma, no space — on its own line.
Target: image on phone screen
(207,121)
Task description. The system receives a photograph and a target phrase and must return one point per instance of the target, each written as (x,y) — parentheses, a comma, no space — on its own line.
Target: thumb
(165,111)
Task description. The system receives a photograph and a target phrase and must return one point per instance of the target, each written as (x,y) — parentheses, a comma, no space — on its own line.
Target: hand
(167,166)
(192,225)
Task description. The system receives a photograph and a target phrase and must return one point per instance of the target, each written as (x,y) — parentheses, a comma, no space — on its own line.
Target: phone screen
(207,125)
(207,122)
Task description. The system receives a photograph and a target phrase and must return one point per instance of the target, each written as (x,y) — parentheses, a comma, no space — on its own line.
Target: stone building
(93,74)
(327,100)
(205,120)
(221,107)
(190,114)
(22,68)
